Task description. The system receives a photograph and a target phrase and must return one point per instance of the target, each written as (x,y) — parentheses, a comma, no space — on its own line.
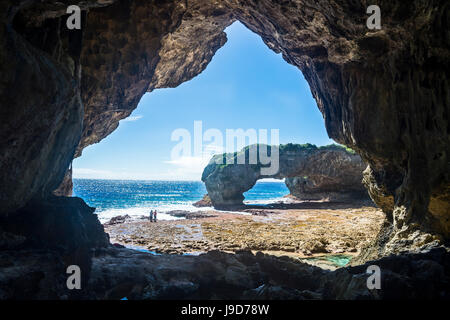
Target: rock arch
(384,93)
(337,172)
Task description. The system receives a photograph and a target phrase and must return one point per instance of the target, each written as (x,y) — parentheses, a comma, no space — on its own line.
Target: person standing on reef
(154,216)
(151,215)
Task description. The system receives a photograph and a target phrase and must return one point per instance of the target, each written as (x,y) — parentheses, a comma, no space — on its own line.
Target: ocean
(136,198)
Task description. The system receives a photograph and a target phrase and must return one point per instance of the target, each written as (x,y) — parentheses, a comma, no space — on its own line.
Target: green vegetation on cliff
(225,160)
(231,158)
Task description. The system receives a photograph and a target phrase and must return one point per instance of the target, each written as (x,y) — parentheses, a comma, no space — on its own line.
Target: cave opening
(382,92)
(248,86)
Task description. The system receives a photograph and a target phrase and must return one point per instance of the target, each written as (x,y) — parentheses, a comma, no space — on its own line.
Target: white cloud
(188,166)
(132,118)
(182,168)
(88,173)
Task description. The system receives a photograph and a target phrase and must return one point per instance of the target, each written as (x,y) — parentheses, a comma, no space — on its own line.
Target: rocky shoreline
(40,259)
(321,233)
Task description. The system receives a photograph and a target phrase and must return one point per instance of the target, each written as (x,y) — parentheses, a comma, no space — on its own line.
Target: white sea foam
(268,201)
(137,212)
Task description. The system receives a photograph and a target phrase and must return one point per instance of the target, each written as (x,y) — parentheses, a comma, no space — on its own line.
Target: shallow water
(337,260)
(143,250)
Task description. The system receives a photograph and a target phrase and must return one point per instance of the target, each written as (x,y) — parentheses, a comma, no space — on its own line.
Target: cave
(383,93)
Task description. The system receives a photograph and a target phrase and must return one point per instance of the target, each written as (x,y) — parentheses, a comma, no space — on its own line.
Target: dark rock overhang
(384,93)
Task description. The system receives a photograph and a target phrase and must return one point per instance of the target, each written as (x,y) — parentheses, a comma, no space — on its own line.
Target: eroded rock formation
(65,189)
(204,202)
(311,173)
(40,241)
(219,275)
(384,93)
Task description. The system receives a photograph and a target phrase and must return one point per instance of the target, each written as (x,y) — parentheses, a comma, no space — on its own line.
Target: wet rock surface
(117,220)
(190,214)
(204,202)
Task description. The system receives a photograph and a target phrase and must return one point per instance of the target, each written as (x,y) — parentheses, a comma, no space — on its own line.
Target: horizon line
(180,180)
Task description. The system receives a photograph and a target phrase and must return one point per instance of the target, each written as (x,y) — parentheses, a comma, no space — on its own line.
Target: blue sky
(246,85)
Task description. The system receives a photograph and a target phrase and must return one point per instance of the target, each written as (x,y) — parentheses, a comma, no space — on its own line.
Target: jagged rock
(65,189)
(334,175)
(118,272)
(33,274)
(204,202)
(40,241)
(59,223)
(325,172)
(189,214)
(178,213)
(117,220)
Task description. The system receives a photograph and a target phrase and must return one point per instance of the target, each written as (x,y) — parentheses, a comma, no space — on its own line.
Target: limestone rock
(189,214)
(59,223)
(41,110)
(117,220)
(204,202)
(116,273)
(65,189)
(311,173)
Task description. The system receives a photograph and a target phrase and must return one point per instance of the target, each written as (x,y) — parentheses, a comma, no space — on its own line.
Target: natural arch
(325,172)
(383,93)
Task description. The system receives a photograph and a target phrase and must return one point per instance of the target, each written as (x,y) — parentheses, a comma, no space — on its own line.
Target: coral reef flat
(303,230)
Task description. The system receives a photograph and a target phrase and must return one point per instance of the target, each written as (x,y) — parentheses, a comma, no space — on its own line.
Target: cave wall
(119,57)
(384,93)
(41,109)
(65,188)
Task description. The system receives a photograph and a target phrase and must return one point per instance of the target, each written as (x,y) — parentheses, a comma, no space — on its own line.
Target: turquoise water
(136,198)
(338,260)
